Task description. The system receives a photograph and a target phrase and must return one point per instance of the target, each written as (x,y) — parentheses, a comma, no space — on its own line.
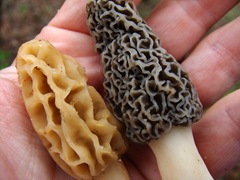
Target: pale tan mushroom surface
(146,88)
(69,116)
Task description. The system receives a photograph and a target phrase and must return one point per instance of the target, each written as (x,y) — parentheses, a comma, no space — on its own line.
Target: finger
(69,42)
(72,16)
(180,24)
(217,135)
(214,64)
(133,172)
(143,159)
(9,74)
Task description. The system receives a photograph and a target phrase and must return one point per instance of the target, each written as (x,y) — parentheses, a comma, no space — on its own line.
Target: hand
(212,64)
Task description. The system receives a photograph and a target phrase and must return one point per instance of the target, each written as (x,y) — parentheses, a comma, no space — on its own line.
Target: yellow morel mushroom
(69,116)
(147,89)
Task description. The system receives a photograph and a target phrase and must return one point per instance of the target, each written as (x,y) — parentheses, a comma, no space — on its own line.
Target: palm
(21,151)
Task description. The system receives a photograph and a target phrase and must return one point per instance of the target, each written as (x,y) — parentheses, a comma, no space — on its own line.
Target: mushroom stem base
(178,157)
(116,170)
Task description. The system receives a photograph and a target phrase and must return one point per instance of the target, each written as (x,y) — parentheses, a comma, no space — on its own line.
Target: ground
(22,20)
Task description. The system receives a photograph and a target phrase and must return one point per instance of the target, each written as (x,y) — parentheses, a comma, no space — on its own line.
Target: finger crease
(230,63)
(200,10)
(234,118)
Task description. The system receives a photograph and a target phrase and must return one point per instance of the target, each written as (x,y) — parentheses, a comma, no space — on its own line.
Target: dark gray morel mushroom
(146,88)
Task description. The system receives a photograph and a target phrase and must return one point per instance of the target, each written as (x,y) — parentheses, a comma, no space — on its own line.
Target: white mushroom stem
(177,156)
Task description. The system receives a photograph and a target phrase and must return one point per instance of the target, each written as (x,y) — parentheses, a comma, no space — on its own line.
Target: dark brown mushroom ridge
(145,86)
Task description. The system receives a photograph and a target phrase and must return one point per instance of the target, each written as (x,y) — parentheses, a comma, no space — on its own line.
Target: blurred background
(22,20)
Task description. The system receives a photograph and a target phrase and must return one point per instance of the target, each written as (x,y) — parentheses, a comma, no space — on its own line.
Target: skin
(212,63)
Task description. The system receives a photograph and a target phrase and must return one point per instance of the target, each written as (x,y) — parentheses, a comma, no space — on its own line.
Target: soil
(22,20)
